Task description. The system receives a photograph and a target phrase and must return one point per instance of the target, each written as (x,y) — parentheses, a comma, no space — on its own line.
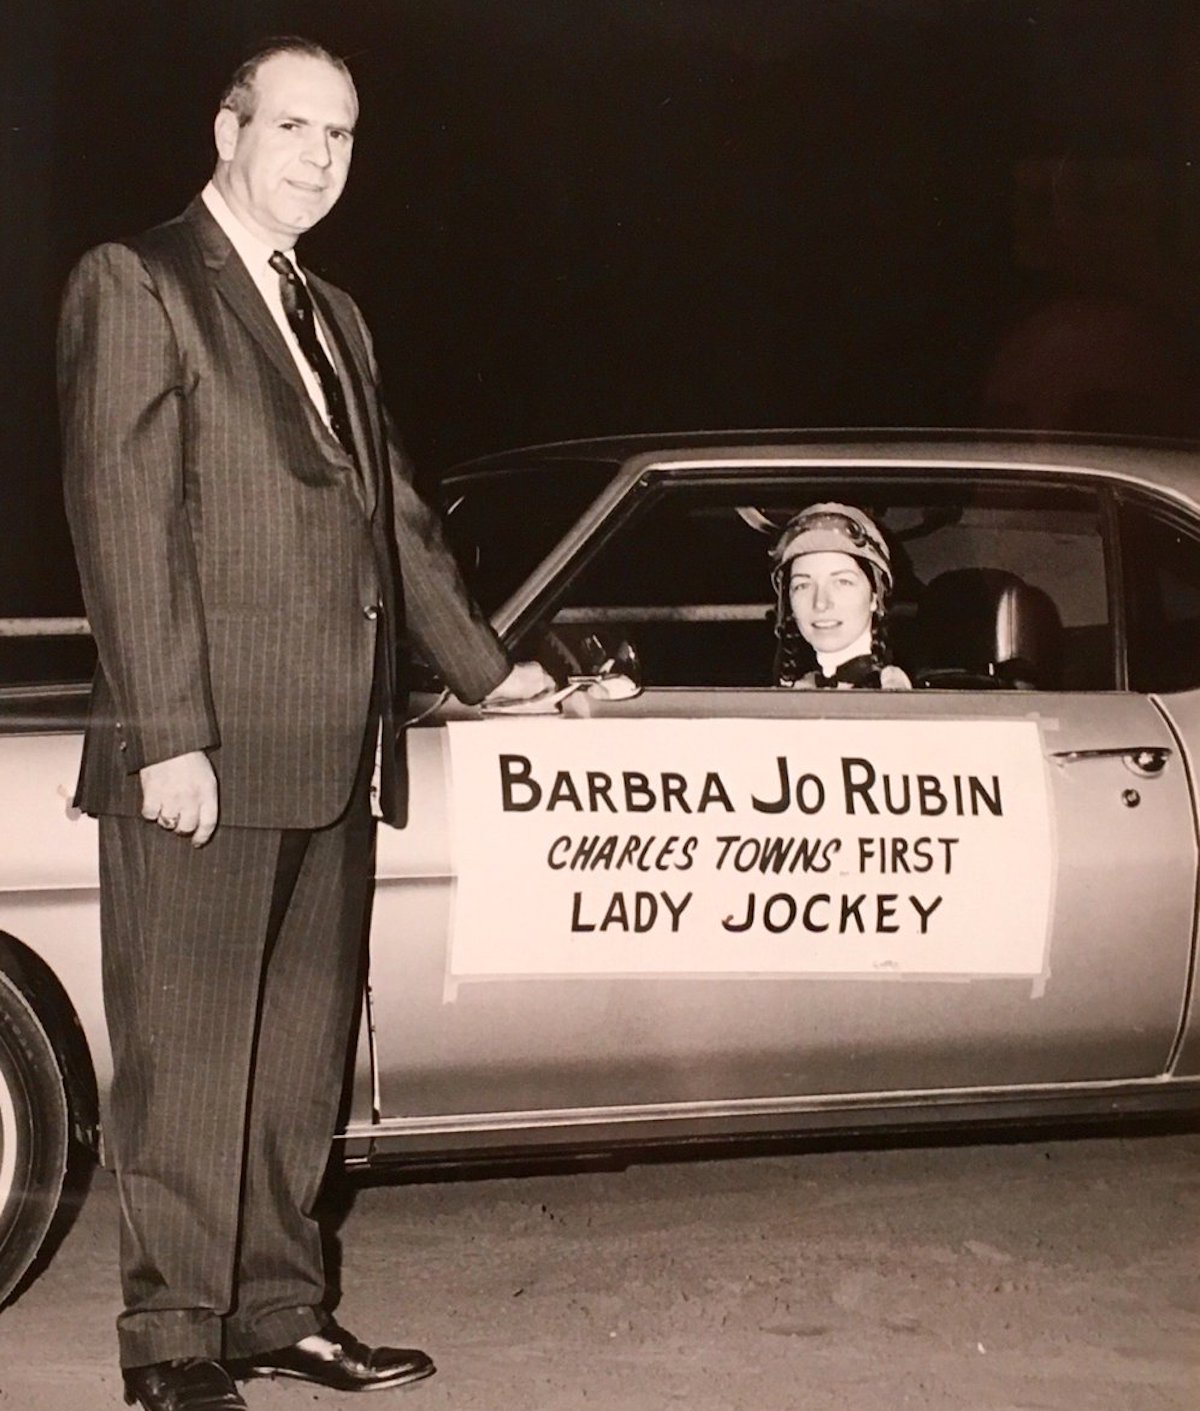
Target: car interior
(996,588)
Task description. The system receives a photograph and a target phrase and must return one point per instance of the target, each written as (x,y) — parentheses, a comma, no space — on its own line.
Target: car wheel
(34,1134)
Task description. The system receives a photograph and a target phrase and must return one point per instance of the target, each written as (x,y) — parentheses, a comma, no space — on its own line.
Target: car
(674,902)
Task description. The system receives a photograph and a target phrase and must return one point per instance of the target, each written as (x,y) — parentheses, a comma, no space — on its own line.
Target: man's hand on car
(525,681)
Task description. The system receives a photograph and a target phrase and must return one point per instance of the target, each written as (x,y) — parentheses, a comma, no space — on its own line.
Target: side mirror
(616,687)
(618,677)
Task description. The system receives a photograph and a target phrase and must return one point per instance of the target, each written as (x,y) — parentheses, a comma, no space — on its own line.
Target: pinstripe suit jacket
(236,566)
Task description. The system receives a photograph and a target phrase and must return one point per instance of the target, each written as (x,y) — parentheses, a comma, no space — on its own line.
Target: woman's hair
(828,528)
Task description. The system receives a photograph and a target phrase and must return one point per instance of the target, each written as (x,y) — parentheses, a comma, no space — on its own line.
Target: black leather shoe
(335,1359)
(187,1384)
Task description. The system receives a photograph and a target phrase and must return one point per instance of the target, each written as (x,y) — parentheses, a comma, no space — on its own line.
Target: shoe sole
(408,1379)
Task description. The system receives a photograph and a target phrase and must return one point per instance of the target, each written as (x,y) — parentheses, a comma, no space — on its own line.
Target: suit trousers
(231,975)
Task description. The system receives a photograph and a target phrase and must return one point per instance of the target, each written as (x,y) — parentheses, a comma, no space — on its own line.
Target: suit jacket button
(371,611)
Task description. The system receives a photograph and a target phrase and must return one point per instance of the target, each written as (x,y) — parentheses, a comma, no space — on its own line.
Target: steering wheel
(958,678)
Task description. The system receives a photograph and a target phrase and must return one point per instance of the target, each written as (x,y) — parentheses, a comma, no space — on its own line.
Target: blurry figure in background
(1093,364)
(833,580)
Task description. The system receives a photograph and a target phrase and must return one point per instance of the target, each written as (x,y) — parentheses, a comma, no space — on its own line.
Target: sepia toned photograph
(600,705)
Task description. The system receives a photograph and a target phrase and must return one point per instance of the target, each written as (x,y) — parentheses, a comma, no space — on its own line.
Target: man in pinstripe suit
(254,562)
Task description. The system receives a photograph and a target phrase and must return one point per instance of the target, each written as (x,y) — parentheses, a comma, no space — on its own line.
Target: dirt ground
(1040,1276)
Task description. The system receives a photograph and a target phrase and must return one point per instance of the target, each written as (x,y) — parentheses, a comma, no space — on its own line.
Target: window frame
(657,479)
(1167,509)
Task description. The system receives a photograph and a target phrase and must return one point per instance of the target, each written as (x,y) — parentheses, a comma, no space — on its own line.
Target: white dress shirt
(830,661)
(255,254)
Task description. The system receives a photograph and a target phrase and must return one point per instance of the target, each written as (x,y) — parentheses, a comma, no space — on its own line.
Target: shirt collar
(830,661)
(255,253)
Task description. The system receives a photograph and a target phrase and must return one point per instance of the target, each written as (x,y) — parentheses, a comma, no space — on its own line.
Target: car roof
(1171,468)
(1105,451)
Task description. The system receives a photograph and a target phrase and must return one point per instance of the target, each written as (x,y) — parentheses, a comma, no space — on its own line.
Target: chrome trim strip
(39,891)
(1189,985)
(833,458)
(44,627)
(754,1107)
(701,612)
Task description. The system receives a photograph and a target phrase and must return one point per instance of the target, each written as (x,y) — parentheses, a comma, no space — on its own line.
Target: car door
(503,993)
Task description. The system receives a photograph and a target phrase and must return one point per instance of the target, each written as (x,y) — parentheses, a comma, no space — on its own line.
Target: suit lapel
(233,283)
(347,368)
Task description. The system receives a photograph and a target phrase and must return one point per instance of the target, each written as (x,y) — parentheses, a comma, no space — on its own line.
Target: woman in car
(833,580)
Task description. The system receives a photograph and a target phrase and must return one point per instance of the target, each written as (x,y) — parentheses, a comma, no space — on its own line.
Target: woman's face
(831,598)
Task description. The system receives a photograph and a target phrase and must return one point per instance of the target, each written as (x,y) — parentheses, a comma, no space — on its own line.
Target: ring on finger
(165,822)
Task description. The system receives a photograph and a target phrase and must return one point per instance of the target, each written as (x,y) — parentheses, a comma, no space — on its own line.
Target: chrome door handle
(1146,761)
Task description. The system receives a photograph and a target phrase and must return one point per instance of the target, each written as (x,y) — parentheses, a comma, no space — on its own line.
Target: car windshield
(502,524)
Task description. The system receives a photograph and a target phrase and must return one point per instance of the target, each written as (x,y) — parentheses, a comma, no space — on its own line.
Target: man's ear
(225,133)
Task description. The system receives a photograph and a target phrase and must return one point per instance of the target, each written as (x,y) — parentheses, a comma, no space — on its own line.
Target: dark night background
(580,217)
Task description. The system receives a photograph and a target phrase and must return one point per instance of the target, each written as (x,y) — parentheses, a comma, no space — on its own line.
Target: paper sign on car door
(810,847)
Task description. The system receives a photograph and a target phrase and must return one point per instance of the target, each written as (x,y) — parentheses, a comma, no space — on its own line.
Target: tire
(35,1128)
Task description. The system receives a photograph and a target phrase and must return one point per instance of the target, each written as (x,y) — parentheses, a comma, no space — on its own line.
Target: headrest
(990,622)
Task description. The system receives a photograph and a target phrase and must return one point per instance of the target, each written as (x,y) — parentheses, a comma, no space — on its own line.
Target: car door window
(1161,567)
(684,577)
(687,582)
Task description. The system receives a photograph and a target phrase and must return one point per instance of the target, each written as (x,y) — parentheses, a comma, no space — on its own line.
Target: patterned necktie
(297,305)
